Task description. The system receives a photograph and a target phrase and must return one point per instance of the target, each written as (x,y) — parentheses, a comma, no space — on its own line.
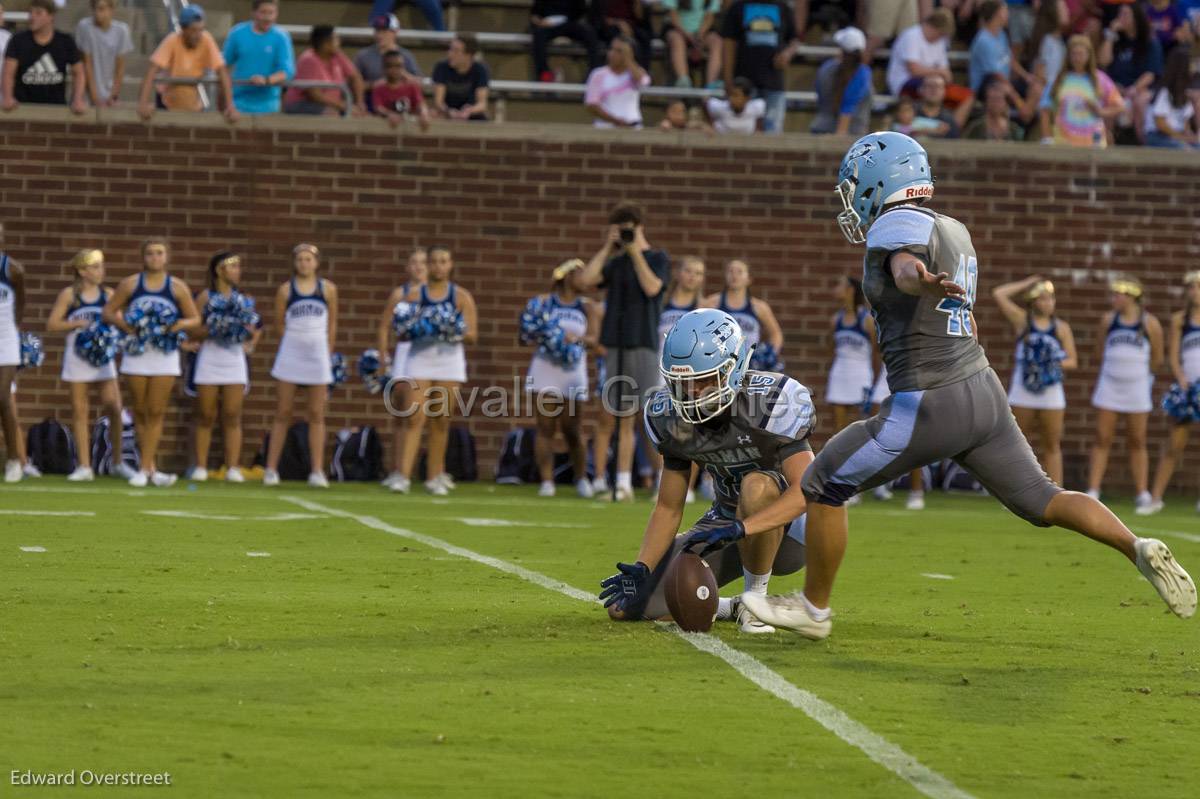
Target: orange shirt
(180,61)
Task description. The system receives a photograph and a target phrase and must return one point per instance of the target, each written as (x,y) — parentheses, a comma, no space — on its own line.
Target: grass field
(357,660)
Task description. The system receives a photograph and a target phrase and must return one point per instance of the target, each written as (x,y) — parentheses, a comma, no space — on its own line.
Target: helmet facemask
(849,220)
(708,402)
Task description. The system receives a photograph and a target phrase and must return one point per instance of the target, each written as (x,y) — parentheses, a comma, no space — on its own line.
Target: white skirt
(151,363)
(548,378)
(400,360)
(1124,396)
(219,365)
(77,370)
(848,382)
(303,362)
(10,348)
(1051,398)
(438,361)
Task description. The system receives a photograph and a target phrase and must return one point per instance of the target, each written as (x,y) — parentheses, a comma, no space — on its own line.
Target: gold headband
(86,258)
(304,247)
(1191,277)
(1040,288)
(232,260)
(565,268)
(1127,287)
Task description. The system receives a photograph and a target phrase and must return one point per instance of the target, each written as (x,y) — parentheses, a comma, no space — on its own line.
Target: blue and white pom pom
(1183,404)
(31,351)
(98,343)
(765,358)
(1041,364)
(556,347)
(230,320)
(410,324)
(151,328)
(536,322)
(448,323)
(338,365)
(370,369)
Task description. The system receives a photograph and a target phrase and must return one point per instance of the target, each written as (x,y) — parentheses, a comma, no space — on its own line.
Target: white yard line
(1193,537)
(6,512)
(936,576)
(878,749)
(223,517)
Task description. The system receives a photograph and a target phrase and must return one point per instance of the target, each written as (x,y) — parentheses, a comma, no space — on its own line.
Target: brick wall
(514,200)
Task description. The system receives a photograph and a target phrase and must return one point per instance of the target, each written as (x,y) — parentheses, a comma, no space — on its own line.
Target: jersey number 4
(959,311)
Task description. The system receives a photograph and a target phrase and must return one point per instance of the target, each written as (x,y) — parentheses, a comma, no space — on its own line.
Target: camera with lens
(627,235)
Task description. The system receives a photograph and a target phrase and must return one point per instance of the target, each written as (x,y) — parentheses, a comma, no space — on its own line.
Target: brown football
(691,590)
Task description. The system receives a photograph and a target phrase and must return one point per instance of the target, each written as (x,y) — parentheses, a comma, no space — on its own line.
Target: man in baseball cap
(369,60)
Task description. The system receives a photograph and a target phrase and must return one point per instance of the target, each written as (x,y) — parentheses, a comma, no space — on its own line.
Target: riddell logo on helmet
(918,191)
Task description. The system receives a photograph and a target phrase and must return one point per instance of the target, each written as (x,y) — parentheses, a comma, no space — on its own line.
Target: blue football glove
(627,589)
(705,542)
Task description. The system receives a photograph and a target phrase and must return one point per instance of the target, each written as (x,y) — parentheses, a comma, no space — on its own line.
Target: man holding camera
(634,275)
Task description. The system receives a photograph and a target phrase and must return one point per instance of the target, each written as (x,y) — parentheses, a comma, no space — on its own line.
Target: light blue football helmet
(878,170)
(703,344)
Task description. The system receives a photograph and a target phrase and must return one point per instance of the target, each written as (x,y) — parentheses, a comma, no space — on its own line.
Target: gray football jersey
(770,420)
(925,342)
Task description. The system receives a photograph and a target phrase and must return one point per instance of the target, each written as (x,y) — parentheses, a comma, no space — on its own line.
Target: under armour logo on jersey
(744,439)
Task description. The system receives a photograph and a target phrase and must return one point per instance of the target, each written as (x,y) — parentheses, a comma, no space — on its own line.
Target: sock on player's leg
(625,480)
(724,608)
(755,582)
(814,613)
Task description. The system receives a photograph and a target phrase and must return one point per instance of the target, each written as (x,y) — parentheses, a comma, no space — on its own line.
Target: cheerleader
(12,304)
(1038,404)
(221,375)
(556,388)
(1183,353)
(152,372)
(308,306)
(683,294)
(1131,349)
(417,274)
(850,376)
(438,368)
(76,308)
(758,322)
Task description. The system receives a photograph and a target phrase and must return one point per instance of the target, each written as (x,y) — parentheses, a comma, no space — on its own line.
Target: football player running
(919,276)
(749,430)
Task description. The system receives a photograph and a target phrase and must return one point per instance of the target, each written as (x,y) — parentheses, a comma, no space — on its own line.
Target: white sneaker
(1142,500)
(199,474)
(624,495)
(124,471)
(747,622)
(392,479)
(882,493)
(163,480)
(691,497)
(13,471)
(317,480)
(854,500)
(234,475)
(436,487)
(787,611)
(447,481)
(1198,506)
(82,474)
(139,480)
(584,489)
(1094,493)
(600,486)
(1150,508)
(546,489)
(401,484)
(30,470)
(1158,565)
(270,477)
(916,501)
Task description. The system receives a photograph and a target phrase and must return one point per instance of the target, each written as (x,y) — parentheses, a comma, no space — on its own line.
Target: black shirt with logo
(761,29)
(42,69)
(460,87)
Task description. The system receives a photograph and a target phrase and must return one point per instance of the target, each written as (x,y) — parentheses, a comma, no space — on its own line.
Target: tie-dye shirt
(1074,123)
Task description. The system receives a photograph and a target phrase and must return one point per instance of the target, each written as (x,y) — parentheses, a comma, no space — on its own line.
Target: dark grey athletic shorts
(631,374)
(726,563)
(968,421)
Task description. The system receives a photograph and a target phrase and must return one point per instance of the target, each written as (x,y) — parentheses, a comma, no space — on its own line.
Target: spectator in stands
(760,41)
(5,35)
(103,42)
(1076,106)
(1132,57)
(887,19)
(844,88)
(325,61)
(992,55)
(692,39)
(260,59)
(737,113)
(997,123)
(36,62)
(628,18)
(398,96)
(1168,23)
(369,61)
(1047,49)
(933,120)
(614,91)
(1021,16)
(921,50)
(460,82)
(677,116)
(430,9)
(1170,118)
(551,19)
(190,52)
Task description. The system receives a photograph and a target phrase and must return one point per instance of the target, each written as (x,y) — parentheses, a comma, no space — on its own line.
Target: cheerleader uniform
(1189,351)
(546,375)
(10,337)
(671,313)
(1050,398)
(1125,383)
(220,364)
(880,391)
(434,359)
(153,362)
(74,368)
(303,357)
(400,357)
(746,318)
(851,373)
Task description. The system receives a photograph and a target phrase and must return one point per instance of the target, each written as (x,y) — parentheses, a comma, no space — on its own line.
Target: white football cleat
(317,480)
(546,489)
(163,480)
(139,480)
(882,493)
(234,475)
(436,487)
(13,471)
(199,475)
(786,611)
(82,474)
(747,622)
(391,479)
(30,470)
(584,489)
(271,477)
(916,501)
(401,484)
(1174,585)
(1150,508)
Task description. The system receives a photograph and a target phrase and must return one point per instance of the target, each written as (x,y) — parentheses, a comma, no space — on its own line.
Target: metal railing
(213,80)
